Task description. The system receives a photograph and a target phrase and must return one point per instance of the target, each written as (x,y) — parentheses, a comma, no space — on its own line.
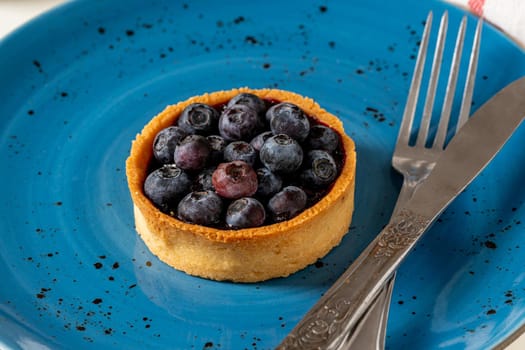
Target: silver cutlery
(330,323)
(416,161)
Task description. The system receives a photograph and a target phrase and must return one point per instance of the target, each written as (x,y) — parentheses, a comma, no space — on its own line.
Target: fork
(415,162)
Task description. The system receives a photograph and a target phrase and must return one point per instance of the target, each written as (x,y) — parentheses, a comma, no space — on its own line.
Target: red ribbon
(476,6)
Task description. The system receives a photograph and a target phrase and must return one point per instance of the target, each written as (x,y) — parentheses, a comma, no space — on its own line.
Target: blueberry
(239,122)
(165,142)
(260,139)
(203,180)
(268,183)
(245,212)
(281,154)
(200,207)
(322,137)
(287,118)
(240,150)
(217,145)
(198,118)
(192,153)
(208,159)
(166,186)
(250,100)
(320,169)
(287,203)
(234,180)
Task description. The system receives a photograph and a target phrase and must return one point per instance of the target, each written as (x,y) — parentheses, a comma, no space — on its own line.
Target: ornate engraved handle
(328,324)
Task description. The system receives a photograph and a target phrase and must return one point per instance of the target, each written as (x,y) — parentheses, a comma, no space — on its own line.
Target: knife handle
(330,322)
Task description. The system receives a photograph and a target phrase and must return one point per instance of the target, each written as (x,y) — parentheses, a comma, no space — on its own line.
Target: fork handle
(328,324)
(370,333)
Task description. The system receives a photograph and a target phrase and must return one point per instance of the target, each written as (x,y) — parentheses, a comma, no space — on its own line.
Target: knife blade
(332,319)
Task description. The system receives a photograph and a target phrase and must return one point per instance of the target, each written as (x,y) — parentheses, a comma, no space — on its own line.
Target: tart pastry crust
(243,255)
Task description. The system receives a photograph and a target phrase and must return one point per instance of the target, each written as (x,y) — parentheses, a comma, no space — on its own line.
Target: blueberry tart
(242,185)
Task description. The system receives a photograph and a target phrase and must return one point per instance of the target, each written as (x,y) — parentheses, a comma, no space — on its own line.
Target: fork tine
(434,77)
(471,77)
(439,140)
(410,108)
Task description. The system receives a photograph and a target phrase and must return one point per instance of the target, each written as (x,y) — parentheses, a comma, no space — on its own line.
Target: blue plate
(78,83)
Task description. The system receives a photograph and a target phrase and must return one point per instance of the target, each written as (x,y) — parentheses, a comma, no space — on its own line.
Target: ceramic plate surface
(78,84)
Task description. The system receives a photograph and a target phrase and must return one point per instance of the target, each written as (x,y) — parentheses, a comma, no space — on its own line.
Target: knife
(332,319)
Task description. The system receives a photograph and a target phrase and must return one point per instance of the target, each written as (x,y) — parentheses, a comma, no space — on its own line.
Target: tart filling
(229,215)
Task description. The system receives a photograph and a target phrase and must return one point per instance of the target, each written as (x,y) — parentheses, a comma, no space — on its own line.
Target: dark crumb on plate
(490,245)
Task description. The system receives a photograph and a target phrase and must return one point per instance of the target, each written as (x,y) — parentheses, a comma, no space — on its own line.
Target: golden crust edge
(251,261)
